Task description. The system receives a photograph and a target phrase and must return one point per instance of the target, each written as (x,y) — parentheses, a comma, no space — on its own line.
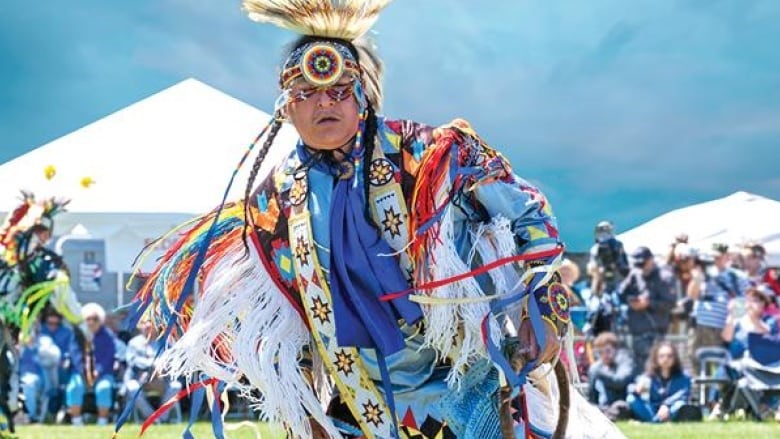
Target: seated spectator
(662,393)
(140,366)
(92,366)
(30,378)
(745,317)
(610,375)
(62,334)
(42,363)
(754,263)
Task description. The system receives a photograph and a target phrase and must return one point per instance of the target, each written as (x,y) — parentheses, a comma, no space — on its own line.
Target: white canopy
(739,218)
(155,164)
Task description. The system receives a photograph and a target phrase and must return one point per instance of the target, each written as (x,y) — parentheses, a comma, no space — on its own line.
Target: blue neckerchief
(358,276)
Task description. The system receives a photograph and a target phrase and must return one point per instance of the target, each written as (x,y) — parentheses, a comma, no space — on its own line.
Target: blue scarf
(358,275)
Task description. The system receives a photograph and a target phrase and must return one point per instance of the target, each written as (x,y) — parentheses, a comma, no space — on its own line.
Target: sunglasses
(337,92)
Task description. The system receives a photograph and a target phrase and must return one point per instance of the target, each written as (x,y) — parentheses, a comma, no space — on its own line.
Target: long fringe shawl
(241,326)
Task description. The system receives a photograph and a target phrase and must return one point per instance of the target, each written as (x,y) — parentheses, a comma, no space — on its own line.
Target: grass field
(739,430)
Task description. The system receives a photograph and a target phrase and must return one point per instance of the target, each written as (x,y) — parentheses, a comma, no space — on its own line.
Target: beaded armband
(553,301)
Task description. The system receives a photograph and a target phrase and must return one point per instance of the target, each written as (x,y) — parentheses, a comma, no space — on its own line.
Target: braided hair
(276,125)
(369,139)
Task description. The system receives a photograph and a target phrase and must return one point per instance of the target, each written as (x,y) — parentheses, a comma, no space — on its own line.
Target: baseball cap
(641,255)
(754,249)
(720,248)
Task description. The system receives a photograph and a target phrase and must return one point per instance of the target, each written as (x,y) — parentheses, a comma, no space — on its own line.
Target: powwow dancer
(32,278)
(397,274)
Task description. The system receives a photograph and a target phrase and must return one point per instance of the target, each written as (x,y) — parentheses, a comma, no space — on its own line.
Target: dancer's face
(324,118)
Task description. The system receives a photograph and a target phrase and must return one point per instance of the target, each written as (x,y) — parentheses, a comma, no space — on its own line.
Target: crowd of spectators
(65,371)
(651,319)
(647,319)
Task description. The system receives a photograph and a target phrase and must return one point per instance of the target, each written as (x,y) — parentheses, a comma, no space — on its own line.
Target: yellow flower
(87,182)
(49,172)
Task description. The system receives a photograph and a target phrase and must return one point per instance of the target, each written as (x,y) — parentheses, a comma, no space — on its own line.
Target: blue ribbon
(217,426)
(515,379)
(196,402)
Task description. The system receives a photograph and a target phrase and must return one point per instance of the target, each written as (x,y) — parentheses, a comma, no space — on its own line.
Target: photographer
(608,265)
(649,294)
(682,261)
(608,262)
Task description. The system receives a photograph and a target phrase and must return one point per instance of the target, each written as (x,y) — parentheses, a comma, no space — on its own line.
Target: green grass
(200,430)
(705,430)
(739,430)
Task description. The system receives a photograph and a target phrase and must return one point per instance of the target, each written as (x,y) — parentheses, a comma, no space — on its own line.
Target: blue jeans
(645,410)
(104,387)
(32,388)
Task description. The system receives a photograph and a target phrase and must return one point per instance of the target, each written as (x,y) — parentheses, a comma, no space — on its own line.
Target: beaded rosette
(320,63)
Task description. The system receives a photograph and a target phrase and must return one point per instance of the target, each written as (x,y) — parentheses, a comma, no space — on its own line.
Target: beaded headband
(320,63)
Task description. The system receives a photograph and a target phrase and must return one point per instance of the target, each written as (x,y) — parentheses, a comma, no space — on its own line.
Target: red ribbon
(476,272)
(171,402)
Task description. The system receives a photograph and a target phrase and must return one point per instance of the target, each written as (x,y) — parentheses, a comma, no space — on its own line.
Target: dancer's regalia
(32,277)
(377,296)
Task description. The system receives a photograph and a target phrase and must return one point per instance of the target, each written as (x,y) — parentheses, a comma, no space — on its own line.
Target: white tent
(155,164)
(736,219)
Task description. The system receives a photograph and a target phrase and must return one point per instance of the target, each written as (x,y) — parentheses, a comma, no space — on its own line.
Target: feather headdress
(342,19)
(348,20)
(15,221)
(29,216)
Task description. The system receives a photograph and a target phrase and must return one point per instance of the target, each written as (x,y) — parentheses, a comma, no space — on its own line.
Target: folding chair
(710,360)
(759,372)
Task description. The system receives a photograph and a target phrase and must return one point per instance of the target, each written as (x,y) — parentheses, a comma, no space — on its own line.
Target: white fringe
(443,321)
(585,420)
(492,241)
(264,335)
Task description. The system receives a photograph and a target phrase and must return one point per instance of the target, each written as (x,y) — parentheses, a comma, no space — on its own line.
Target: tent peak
(746,196)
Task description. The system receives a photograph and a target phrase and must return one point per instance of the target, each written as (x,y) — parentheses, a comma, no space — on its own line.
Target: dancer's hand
(527,338)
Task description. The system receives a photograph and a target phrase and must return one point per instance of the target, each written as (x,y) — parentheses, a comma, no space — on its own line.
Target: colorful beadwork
(322,65)
(381,172)
(559,301)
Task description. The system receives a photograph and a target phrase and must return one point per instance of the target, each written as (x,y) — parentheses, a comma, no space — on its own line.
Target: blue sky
(617,109)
